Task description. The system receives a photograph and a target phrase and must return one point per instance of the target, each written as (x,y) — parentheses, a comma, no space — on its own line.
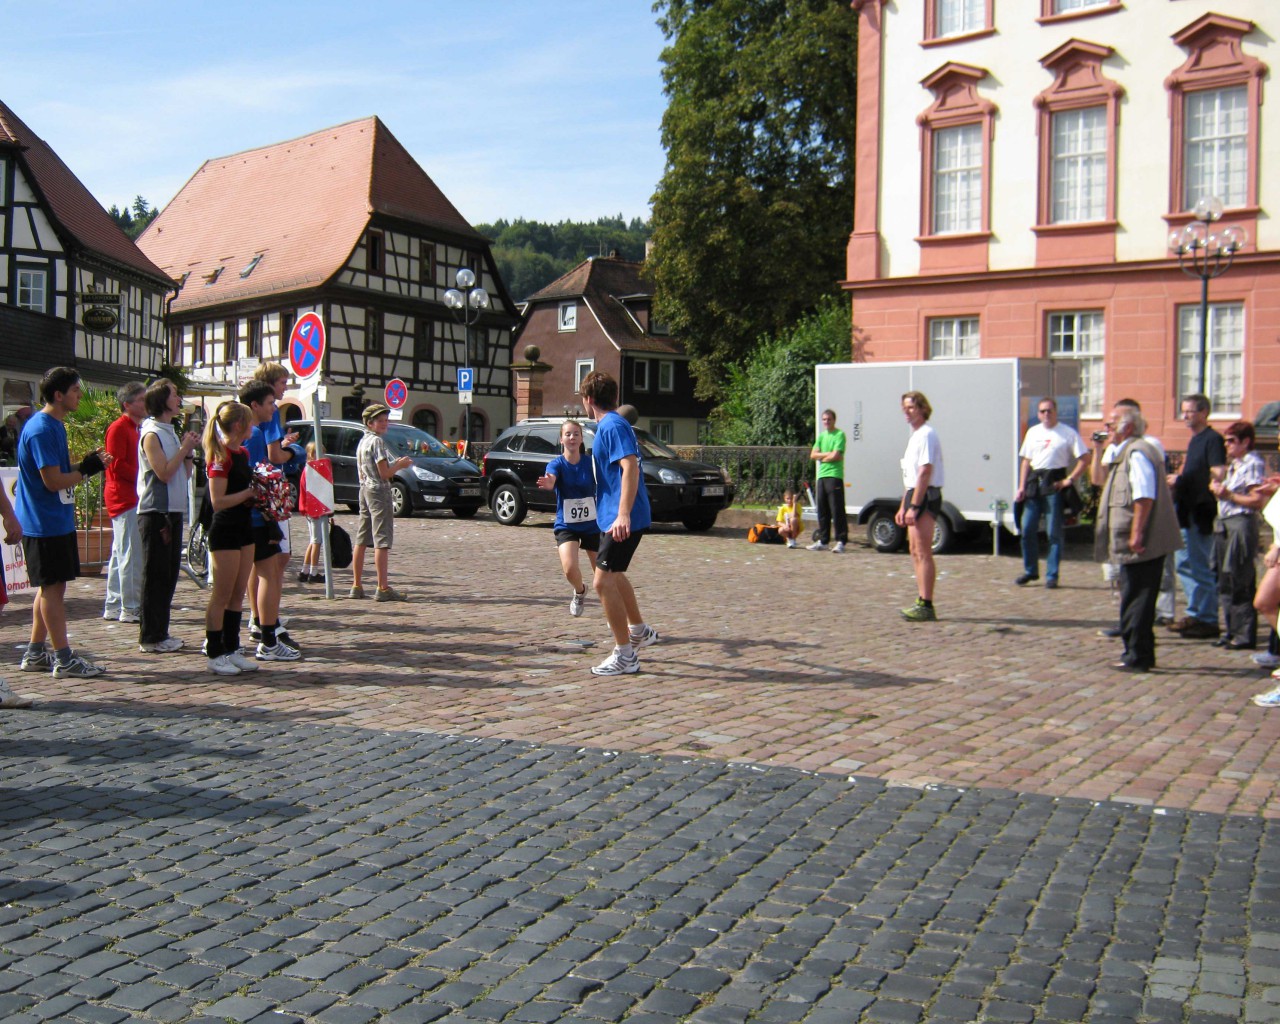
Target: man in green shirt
(828,453)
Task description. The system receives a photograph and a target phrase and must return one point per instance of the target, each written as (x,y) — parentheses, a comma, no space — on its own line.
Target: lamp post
(1206,252)
(464,301)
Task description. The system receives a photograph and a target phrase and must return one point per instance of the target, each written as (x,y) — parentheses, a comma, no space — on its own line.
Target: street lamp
(1206,252)
(467,299)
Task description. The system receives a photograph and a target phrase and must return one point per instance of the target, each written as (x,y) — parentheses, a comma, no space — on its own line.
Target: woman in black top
(230,536)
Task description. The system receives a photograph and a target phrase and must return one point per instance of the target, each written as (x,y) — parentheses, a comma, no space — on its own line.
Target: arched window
(427,419)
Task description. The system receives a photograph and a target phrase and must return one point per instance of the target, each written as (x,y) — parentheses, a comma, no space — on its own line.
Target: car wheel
(466,511)
(699,522)
(401,503)
(508,505)
(884,534)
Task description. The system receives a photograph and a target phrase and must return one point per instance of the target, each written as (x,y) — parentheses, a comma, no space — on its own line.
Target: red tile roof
(304,204)
(608,286)
(72,207)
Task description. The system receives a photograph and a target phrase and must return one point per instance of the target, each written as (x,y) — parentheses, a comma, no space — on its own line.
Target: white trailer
(980,411)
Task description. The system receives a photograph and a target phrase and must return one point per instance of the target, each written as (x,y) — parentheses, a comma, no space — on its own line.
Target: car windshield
(404,440)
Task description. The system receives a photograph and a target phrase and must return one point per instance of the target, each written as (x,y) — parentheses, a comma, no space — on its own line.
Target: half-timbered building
(344,223)
(74,289)
(599,316)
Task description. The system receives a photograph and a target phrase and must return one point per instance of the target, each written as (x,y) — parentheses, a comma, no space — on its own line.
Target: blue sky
(543,109)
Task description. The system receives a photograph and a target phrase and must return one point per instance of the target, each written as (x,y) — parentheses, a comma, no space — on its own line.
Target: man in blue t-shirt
(45,507)
(622,513)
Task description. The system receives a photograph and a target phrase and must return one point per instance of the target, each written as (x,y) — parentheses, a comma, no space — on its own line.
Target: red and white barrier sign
(318,486)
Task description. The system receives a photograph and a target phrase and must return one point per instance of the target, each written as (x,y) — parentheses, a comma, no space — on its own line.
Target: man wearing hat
(375,468)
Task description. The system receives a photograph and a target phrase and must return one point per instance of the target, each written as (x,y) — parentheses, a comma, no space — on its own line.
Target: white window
(666,375)
(957,179)
(1216,146)
(1065,6)
(640,375)
(31,290)
(956,17)
(568,316)
(953,338)
(1079,165)
(663,430)
(1224,362)
(581,368)
(1081,336)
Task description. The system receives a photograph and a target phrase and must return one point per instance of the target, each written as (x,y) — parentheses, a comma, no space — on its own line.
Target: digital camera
(1100,435)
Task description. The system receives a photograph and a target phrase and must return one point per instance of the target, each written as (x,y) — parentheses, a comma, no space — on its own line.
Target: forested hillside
(531,254)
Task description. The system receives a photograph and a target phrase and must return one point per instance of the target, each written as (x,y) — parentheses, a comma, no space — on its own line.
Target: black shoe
(1114,633)
(1025,578)
(1051,584)
(1124,666)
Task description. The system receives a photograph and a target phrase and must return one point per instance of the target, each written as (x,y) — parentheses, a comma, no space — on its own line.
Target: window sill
(957,239)
(1088,12)
(1084,227)
(1186,216)
(963,37)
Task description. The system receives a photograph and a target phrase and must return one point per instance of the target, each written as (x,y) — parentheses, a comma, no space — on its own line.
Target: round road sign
(306,345)
(396,393)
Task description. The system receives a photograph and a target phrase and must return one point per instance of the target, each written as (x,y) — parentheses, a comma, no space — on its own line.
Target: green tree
(769,398)
(531,254)
(755,206)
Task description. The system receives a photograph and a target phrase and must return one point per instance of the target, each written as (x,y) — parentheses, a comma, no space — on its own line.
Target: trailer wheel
(884,534)
(944,535)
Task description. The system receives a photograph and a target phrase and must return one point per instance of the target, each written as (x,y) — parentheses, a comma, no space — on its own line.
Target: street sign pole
(306,357)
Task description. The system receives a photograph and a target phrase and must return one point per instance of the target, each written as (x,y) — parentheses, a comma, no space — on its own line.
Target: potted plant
(86,431)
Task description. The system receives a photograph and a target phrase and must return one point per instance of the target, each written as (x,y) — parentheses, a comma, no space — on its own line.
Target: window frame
(1092,364)
(1050,15)
(932,20)
(373,330)
(375,252)
(1189,383)
(567,317)
(640,374)
(956,104)
(582,367)
(660,427)
(954,338)
(667,369)
(33,274)
(1215,60)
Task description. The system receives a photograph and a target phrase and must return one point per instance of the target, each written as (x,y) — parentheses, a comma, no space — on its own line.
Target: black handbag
(339,546)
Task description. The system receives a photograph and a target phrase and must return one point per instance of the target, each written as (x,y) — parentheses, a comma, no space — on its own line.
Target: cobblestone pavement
(189,868)
(769,655)
(801,810)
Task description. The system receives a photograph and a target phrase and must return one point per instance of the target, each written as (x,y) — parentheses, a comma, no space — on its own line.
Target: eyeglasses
(1044,412)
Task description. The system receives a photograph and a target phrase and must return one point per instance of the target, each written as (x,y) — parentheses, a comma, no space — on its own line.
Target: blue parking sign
(466,378)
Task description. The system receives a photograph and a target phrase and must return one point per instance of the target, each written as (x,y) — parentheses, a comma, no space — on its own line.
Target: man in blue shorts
(46,510)
(622,513)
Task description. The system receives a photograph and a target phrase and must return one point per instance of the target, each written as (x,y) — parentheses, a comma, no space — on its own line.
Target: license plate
(713,492)
(469,492)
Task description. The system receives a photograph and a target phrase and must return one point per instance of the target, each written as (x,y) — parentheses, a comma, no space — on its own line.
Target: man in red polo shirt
(120,497)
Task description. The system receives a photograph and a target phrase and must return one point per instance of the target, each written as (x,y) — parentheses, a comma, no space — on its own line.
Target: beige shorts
(375,527)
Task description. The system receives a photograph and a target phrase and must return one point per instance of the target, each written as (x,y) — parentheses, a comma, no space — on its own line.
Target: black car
(692,493)
(438,478)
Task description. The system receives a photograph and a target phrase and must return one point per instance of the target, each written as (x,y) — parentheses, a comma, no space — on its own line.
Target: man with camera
(1052,458)
(1137,527)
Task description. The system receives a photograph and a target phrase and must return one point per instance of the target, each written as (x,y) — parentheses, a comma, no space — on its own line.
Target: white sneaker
(224,666)
(280,652)
(129,617)
(839,548)
(166,646)
(644,638)
(817,545)
(1270,699)
(791,543)
(77,668)
(1265,659)
(9,699)
(616,665)
(576,602)
(241,662)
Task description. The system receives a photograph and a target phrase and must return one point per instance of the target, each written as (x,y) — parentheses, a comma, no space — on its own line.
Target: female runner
(570,476)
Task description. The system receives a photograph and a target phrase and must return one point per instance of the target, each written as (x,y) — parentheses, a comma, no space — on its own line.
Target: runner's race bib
(579,510)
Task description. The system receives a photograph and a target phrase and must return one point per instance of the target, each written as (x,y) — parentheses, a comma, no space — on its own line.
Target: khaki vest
(1115,511)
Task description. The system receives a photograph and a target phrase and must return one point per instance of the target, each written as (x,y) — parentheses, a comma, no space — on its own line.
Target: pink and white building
(1021,166)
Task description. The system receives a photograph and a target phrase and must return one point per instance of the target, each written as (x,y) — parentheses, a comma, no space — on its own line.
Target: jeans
(831,514)
(1049,505)
(1194,565)
(124,570)
(161,561)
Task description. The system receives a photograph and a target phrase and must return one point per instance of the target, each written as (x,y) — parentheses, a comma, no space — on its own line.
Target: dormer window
(212,276)
(568,316)
(251,265)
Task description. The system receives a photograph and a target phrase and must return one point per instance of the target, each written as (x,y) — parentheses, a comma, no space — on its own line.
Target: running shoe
(839,548)
(817,545)
(39,661)
(1265,659)
(644,638)
(920,612)
(111,614)
(1270,699)
(129,617)
(77,668)
(616,665)
(280,652)
(224,666)
(241,662)
(284,638)
(9,699)
(388,594)
(576,602)
(791,543)
(166,646)
(357,594)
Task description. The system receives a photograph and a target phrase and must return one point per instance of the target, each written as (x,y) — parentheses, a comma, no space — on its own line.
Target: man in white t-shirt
(1052,458)
(922,480)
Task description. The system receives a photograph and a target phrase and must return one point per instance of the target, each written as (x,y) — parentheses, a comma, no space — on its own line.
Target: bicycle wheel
(198,552)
